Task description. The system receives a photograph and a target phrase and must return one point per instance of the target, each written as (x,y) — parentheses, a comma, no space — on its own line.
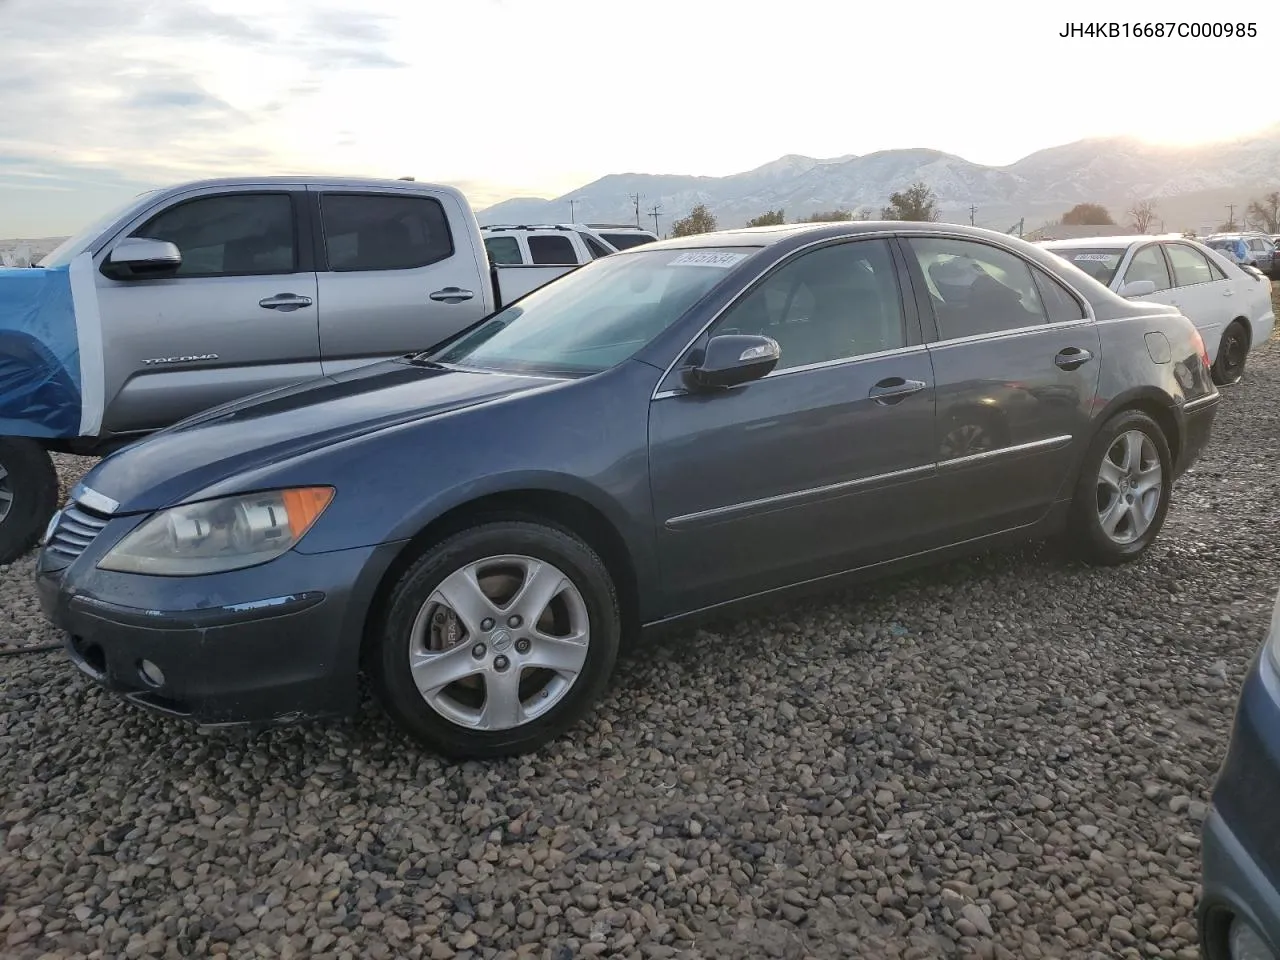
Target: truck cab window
(230,235)
(369,231)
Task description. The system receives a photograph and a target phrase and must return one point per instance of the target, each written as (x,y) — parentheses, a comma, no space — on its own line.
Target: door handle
(452,295)
(285,301)
(1228,292)
(1072,358)
(893,390)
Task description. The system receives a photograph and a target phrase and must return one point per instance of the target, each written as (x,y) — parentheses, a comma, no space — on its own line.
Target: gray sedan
(664,432)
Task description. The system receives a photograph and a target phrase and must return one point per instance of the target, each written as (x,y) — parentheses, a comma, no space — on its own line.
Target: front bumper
(1241,846)
(270,645)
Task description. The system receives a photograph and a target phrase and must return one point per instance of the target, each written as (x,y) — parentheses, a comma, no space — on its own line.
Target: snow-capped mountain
(1113,171)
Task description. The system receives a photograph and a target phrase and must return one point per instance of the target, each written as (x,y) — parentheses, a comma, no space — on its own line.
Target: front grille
(75,530)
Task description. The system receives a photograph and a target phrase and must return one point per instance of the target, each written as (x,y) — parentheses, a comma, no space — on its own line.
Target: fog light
(1245,943)
(150,673)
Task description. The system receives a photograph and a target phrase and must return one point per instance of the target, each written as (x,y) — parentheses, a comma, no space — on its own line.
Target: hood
(275,426)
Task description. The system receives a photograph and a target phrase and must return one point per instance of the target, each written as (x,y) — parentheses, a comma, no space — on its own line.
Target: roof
(767,236)
(1118,242)
(381,183)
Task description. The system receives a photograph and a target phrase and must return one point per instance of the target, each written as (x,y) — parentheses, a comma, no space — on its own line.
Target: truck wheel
(28,495)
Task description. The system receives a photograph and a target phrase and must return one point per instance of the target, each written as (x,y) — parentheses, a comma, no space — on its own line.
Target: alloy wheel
(1130,485)
(499,642)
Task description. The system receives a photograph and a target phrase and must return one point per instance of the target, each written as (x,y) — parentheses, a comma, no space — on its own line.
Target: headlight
(219,535)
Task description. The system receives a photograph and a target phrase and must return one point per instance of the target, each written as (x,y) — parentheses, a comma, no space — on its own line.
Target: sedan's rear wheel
(1232,354)
(498,639)
(1122,495)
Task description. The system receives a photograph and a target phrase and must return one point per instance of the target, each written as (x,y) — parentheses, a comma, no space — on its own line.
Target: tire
(463,719)
(1129,539)
(28,495)
(1233,352)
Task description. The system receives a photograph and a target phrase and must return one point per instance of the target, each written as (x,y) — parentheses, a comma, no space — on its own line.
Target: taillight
(1199,343)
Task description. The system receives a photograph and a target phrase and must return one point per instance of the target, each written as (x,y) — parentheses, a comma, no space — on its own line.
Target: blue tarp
(40,363)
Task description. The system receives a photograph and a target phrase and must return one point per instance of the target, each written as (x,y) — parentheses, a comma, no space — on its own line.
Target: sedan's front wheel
(1123,492)
(498,639)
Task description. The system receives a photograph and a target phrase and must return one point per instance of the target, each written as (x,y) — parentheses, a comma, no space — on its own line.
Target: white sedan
(1230,306)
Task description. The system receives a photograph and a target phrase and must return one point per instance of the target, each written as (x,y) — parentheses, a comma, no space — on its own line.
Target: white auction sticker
(707,258)
(1095,257)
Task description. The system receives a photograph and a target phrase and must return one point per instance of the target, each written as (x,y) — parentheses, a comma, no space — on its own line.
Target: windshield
(625,241)
(1099,262)
(595,317)
(66,251)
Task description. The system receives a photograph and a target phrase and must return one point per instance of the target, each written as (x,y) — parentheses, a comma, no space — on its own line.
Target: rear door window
(551,249)
(977,289)
(369,231)
(1058,302)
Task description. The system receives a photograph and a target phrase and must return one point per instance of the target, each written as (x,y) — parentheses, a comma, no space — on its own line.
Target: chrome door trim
(788,499)
(1006,334)
(1051,443)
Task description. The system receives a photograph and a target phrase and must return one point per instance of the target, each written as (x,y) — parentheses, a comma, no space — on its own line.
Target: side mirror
(732,359)
(137,258)
(1138,288)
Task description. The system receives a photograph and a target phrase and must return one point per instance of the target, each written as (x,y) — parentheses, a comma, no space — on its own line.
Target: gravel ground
(1005,757)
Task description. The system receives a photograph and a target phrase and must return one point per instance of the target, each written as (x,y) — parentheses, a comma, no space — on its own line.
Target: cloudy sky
(99,100)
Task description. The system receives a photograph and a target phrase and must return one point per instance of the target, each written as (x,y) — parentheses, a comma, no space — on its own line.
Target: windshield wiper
(421,360)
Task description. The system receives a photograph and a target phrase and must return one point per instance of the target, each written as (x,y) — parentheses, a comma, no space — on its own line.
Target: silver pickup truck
(214,290)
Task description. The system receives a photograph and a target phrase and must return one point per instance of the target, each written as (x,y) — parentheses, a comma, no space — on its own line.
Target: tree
(770,219)
(1088,215)
(838,215)
(699,220)
(1229,226)
(1264,214)
(917,202)
(1143,212)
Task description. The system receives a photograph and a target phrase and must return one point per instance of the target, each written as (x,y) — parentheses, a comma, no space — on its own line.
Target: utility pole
(635,198)
(1231,214)
(972,211)
(654,213)
(571,203)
